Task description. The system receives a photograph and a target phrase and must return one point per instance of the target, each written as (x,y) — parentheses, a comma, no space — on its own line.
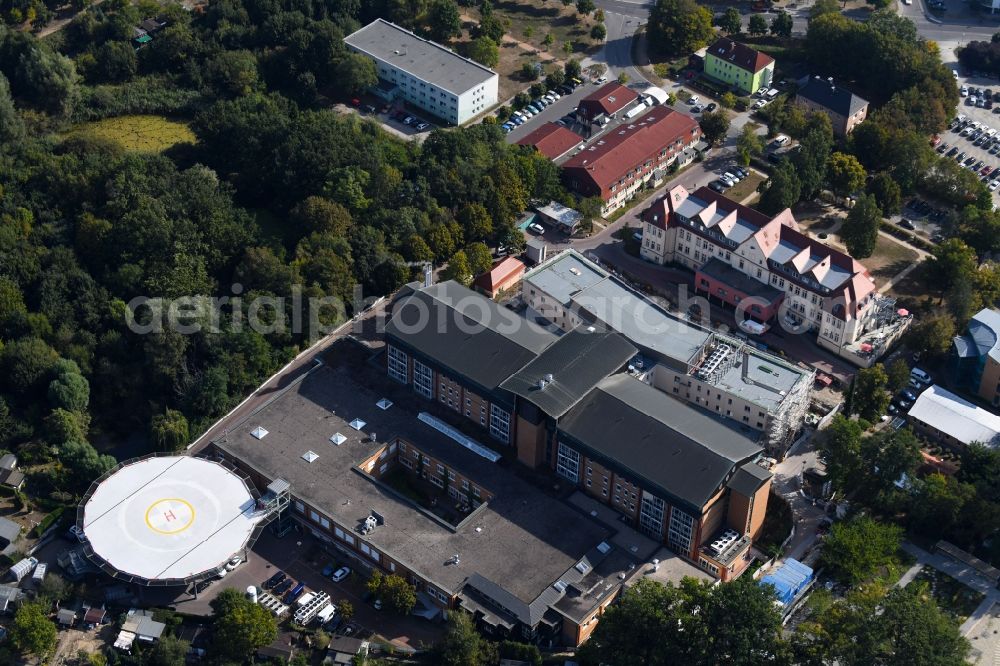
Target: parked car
(283,586)
(711,107)
(693,100)
(422,126)
(328,570)
(906,224)
(340,574)
(536,228)
(718,186)
(233,563)
(274,580)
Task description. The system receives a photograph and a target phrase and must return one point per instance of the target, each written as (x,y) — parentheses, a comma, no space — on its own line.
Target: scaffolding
(275,502)
(789,416)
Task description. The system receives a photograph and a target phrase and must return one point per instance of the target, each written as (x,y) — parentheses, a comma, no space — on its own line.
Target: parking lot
(563,106)
(974,138)
(302,558)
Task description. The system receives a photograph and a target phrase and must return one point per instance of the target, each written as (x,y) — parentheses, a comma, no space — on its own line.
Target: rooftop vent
(338,439)
(384,403)
(549,378)
(603,547)
(358,424)
(559,586)
(310,456)
(574,270)
(259,432)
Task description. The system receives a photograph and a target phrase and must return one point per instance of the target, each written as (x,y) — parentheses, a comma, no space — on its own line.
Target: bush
(47,522)
(143,96)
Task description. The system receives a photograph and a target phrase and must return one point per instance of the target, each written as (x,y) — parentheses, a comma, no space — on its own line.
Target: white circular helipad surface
(169,518)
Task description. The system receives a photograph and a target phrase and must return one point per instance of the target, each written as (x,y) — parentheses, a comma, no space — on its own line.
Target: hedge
(47,522)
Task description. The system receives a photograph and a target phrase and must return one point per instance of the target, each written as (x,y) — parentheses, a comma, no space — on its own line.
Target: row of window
(343,535)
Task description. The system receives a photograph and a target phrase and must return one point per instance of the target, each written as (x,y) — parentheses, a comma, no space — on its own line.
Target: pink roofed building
(762,266)
(505,274)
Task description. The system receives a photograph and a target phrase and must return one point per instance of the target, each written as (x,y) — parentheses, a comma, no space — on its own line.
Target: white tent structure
(655,95)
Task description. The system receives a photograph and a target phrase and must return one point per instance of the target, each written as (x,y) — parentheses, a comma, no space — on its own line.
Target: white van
(920,376)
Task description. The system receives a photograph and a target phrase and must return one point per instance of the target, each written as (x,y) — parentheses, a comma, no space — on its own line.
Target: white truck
(39,574)
(23,568)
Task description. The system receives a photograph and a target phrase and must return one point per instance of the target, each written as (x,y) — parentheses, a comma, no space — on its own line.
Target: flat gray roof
(760,379)
(520,524)
(574,281)
(419,57)
(686,453)
(466,333)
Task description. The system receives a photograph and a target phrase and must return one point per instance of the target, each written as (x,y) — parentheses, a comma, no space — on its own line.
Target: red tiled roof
(609,98)
(501,271)
(608,159)
(740,55)
(552,140)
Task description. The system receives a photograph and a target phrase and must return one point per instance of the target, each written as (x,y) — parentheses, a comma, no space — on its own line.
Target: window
(392,566)
(651,516)
(568,463)
(339,532)
(324,522)
(499,424)
(423,379)
(680,531)
(300,507)
(397,365)
(314,516)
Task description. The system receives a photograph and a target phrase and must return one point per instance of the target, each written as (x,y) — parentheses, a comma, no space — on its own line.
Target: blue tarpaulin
(788,580)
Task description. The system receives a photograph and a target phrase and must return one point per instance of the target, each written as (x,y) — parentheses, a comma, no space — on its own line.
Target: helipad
(169,518)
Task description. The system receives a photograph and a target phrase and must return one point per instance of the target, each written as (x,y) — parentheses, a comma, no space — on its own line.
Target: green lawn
(745,187)
(140,133)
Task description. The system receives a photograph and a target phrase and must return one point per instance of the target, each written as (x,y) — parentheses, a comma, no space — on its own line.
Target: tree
(235,72)
(70,390)
(598,32)
(462,645)
(26,363)
(549,40)
(679,27)
(33,632)
(11,131)
(444,20)
(821,7)
(781,24)
(169,651)
(937,503)
(810,160)
(530,71)
(346,609)
(584,7)
(840,445)
(480,258)
(714,126)
(623,78)
(591,208)
(898,375)
(572,69)
(484,51)
(855,549)
(748,144)
(933,334)
(870,396)
(316,214)
(782,191)
(458,269)
(169,431)
(239,626)
(758,25)
(398,595)
(860,229)
(887,193)
(845,174)
(888,456)
(83,462)
(731,21)
(475,221)
(355,73)
(54,588)
(728,100)
(952,261)
(114,62)
(738,621)
(490,25)
(555,79)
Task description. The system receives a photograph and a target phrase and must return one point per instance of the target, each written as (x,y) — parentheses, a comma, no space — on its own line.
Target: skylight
(259,432)
(384,403)
(338,439)
(358,424)
(582,567)
(309,456)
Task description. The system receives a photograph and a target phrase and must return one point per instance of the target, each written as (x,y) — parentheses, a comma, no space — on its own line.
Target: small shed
(9,596)
(8,461)
(9,532)
(343,649)
(505,274)
(142,624)
(535,251)
(565,219)
(66,617)
(11,478)
(94,617)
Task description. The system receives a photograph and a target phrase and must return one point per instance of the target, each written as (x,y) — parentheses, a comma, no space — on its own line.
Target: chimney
(745,368)
(428,275)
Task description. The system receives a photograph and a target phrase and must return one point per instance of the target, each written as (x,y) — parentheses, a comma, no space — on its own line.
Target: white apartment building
(425,74)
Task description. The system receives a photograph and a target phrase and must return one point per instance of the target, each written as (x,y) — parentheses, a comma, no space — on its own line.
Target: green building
(739,66)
